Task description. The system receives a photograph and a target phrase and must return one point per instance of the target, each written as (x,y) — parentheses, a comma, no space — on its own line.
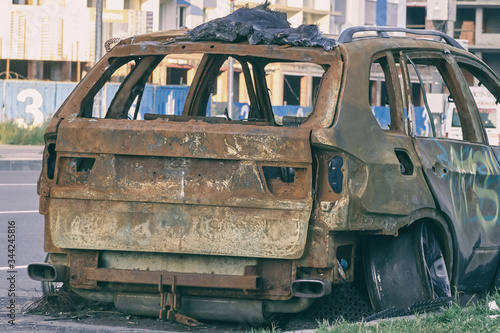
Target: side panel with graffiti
(463,173)
(465,180)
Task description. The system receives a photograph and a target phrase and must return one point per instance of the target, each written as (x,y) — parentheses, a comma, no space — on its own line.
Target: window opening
(126,94)
(377,95)
(434,83)
(299,91)
(482,88)
(259,92)
(259,89)
(440,88)
(181,16)
(383,95)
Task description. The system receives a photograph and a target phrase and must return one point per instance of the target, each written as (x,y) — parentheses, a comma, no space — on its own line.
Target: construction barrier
(33,102)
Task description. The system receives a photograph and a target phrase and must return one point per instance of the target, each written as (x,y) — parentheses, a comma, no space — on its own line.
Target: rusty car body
(208,217)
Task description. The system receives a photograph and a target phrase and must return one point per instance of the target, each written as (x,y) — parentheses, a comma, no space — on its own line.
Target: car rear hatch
(181,187)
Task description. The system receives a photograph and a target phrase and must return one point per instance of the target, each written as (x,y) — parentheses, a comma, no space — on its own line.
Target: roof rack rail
(347,35)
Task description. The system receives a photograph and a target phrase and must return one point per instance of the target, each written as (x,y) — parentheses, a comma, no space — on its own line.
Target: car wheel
(402,270)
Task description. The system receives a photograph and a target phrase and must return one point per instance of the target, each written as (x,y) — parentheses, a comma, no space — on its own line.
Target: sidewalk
(20,157)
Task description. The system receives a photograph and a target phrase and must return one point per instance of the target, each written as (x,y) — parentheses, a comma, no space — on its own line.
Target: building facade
(55,39)
(474,22)
(478,22)
(368,12)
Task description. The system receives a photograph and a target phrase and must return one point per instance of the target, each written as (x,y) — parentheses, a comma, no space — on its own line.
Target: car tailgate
(181,187)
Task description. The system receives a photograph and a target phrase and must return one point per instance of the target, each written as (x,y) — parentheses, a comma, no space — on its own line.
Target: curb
(20,165)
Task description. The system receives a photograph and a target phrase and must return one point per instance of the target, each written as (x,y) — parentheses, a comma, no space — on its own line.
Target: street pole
(98,52)
(231,76)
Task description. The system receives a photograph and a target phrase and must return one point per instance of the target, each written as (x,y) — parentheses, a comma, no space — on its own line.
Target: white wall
(402,13)
(355,13)
(153,6)
(114,4)
(5,13)
(195,14)
(221,10)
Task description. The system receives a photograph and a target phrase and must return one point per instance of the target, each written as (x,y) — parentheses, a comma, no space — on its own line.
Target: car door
(463,174)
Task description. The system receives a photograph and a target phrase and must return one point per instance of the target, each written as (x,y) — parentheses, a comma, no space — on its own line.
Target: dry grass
(64,302)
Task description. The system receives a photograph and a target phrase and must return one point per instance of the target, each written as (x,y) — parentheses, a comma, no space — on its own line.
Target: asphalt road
(19,208)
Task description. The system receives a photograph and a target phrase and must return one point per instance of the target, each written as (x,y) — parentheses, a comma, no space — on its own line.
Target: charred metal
(195,214)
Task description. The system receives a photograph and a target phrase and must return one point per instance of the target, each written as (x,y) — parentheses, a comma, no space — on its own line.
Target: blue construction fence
(36,101)
(422,123)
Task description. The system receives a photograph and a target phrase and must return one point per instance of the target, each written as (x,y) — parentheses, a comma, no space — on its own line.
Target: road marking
(18,184)
(12,269)
(20,212)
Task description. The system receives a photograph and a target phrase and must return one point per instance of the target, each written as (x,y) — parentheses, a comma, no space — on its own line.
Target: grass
(10,133)
(471,318)
(64,302)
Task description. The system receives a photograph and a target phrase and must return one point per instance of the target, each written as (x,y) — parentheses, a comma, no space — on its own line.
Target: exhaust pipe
(201,308)
(311,288)
(48,272)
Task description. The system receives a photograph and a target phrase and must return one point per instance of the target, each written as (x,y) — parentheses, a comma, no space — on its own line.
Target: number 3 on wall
(34,107)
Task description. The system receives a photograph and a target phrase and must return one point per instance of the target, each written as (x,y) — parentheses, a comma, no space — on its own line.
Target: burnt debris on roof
(260,25)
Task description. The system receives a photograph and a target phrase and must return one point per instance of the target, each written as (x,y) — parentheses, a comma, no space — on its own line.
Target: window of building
(181,16)
(491,24)
(177,76)
(299,85)
(415,17)
(465,24)
(291,89)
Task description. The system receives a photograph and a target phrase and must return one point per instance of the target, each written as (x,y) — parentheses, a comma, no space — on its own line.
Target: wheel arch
(447,238)
(394,262)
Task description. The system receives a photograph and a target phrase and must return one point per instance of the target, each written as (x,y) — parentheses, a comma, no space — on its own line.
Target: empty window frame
(258,90)
(432,82)
(384,93)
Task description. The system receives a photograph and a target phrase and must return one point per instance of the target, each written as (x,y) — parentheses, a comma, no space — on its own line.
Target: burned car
(206,213)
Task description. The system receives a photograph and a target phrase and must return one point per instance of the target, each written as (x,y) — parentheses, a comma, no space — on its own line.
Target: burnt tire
(402,270)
